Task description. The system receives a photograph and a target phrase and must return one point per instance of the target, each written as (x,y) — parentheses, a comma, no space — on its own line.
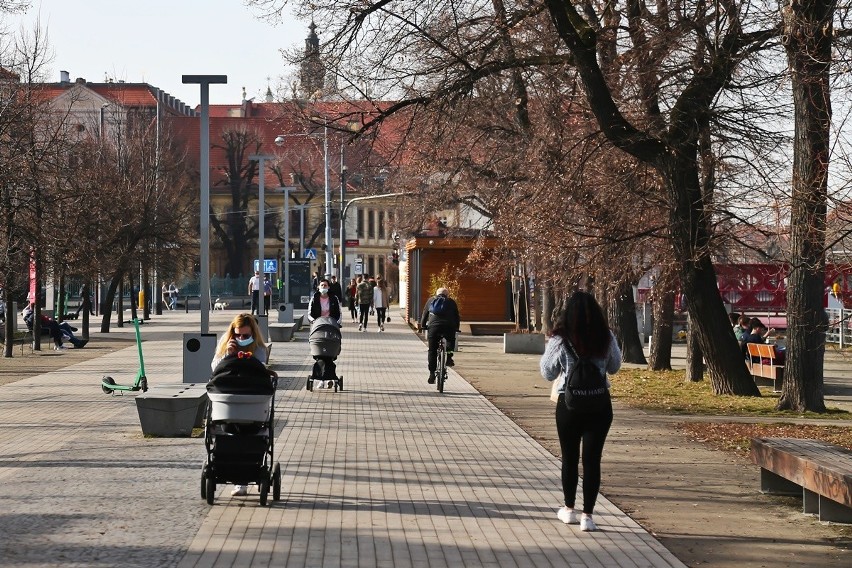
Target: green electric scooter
(141,383)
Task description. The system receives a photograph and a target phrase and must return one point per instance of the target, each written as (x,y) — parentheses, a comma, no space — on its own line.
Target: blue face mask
(245,342)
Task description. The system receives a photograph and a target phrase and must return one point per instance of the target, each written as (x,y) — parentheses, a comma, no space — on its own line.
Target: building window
(381,225)
(371,265)
(359,230)
(371,226)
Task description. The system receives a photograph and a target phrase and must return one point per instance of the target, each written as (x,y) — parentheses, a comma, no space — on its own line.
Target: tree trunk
(106,302)
(628,329)
(690,239)
(694,357)
(661,334)
(546,309)
(807,37)
(87,306)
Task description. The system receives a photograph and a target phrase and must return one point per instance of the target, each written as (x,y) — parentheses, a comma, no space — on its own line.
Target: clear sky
(157,41)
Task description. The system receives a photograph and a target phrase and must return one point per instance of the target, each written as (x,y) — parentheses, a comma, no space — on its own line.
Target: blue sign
(270,266)
(311,254)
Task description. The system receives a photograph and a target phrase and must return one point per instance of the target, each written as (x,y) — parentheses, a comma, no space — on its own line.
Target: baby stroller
(239,428)
(324,339)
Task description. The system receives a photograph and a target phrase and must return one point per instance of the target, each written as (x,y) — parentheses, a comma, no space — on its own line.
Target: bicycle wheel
(441,370)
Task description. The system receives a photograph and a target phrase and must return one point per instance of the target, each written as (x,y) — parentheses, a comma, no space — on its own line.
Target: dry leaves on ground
(735,437)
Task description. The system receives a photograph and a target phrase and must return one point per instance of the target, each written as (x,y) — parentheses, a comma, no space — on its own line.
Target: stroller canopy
(240,376)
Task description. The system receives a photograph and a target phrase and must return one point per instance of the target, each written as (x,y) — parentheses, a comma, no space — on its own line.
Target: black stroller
(324,339)
(239,429)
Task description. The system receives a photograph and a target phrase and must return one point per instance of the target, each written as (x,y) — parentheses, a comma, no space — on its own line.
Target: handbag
(554,390)
(372,311)
(388,319)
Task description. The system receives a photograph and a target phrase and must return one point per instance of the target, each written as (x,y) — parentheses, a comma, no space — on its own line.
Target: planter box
(531,343)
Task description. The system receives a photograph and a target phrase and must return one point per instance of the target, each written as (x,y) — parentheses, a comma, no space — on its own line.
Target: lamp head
(279,140)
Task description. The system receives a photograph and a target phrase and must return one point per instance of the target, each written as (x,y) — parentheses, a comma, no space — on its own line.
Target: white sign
(304,299)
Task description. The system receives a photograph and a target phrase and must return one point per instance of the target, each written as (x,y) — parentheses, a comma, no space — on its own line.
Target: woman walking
(581,336)
(352,300)
(380,301)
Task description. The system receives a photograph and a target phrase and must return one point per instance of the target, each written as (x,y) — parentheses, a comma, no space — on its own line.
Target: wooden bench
(281,331)
(820,472)
(762,364)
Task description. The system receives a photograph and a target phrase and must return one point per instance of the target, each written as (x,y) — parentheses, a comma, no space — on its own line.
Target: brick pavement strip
(386,473)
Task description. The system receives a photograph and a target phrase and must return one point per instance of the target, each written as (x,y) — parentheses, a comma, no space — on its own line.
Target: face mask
(245,342)
(323,291)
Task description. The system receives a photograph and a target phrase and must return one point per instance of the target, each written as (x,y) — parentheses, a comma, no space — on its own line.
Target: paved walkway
(386,473)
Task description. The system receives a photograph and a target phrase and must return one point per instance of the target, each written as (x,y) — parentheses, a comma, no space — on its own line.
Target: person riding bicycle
(440,318)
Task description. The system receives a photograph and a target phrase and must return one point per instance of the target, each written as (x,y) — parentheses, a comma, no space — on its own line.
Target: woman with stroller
(324,304)
(243,336)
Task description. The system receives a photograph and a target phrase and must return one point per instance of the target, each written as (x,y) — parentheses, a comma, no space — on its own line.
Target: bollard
(186,304)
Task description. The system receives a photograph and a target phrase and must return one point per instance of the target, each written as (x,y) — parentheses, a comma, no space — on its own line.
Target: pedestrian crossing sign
(311,254)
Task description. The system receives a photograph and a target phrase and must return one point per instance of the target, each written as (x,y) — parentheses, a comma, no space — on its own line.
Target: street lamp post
(205,81)
(261,198)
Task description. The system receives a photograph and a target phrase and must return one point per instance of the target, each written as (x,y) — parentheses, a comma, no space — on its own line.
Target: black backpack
(585,386)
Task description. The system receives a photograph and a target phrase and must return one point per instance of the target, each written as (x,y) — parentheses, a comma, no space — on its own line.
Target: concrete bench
(762,364)
(820,472)
(299,320)
(172,411)
(281,331)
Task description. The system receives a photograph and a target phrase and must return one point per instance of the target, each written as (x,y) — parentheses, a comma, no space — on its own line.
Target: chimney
(64,77)
(80,81)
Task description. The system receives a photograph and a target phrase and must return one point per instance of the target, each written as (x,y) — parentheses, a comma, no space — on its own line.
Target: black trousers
(255,301)
(380,316)
(353,309)
(433,335)
(364,310)
(590,428)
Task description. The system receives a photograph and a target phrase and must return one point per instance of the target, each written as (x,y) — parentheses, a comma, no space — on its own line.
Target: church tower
(312,70)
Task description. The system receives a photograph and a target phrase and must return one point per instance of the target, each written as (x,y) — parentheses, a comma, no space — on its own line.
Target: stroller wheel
(204,481)
(309,385)
(276,482)
(211,489)
(264,491)
(340,382)
(107,381)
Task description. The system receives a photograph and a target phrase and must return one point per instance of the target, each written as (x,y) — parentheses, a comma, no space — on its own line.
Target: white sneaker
(59,348)
(320,384)
(360,327)
(587,524)
(239,490)
(567,516)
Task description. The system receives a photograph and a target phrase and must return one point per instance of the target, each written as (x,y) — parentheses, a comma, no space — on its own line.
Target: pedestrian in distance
(334,288)
(164,291)
(267,294)
(242,336)
(173,296)
(440,318)
(380,302)
(364,292)
(255,285)
(580,354)
(351,299)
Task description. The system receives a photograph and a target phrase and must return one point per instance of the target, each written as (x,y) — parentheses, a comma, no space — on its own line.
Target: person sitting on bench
(758,334)
(58,331)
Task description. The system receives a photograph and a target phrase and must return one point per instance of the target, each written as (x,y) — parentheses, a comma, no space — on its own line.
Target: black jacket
(315,308)
(450,317)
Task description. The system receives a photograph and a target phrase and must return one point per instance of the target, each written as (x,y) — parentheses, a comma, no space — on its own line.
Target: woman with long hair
(380,301)
(244,335)
(581,333)
(351,299)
